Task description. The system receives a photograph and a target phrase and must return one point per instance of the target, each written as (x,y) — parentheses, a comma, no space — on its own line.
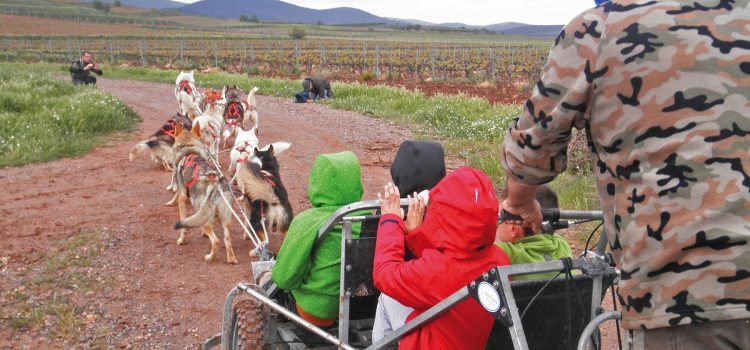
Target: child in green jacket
(313,278)
(523,246)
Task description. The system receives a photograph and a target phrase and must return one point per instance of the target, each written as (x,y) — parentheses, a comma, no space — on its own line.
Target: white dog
(210,121)
(239,113)
(186,82)
(243,150)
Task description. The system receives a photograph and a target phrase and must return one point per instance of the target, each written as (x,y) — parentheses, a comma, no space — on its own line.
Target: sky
(473,12)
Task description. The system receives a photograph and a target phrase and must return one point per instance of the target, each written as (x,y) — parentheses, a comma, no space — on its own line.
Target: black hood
(418,166)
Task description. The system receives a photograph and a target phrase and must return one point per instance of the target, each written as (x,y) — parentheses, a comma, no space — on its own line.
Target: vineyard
(367,59)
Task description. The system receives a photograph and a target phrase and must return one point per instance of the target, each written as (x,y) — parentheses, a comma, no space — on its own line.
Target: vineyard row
(504,63)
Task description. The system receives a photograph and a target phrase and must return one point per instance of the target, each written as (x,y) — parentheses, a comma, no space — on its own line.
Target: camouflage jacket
(662,89)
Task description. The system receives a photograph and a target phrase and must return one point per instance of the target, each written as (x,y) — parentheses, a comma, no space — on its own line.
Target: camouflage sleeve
(535,148)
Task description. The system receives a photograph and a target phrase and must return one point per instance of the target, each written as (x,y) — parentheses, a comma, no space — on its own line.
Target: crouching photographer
(80,70)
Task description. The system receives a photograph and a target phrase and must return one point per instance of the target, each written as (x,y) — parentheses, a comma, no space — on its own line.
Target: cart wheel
(250,325)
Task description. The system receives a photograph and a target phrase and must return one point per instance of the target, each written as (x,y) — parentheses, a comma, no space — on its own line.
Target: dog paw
(232,261)
(180,241)
(208,258)
(253,253)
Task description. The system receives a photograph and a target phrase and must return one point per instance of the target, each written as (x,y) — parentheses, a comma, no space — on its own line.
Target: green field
(42,118)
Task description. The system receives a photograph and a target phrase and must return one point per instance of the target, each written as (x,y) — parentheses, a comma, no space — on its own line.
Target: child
(313,279)
(523,246)
(452,247)
(418,166)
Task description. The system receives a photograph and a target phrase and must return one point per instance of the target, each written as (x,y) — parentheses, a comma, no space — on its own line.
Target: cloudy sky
(476,12)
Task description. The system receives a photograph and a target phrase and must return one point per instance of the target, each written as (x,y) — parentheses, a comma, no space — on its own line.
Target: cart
(557,313)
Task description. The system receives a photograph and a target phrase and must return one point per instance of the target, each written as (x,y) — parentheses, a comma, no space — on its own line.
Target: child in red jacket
(453,246)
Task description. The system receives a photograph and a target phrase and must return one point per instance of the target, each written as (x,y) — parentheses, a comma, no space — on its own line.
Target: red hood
(461,216)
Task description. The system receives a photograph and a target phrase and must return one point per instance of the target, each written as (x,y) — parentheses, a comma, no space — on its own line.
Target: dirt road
(147,292)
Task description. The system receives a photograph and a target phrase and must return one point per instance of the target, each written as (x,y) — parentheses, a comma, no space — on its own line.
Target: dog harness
(211,132)
(191,166)
(212,96)
(268,177)
(185,86)
(233,114)
(169,128)
(245,150)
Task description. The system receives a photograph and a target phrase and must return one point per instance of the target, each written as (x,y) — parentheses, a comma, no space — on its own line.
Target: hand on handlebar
(415,216)
(530,212)
(390,200)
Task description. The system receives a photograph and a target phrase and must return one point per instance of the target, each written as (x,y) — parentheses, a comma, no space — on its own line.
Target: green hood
(537,248)
(335,180)
(312,275)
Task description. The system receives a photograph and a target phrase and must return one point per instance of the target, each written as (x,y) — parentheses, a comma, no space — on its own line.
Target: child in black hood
(418,166)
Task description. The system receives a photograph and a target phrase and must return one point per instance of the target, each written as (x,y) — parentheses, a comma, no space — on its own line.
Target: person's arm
(96,69)
(76,68)
(535,148)
(406,282)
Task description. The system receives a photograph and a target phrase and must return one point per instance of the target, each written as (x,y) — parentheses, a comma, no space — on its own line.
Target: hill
(279,11)
(153,4)
(537,31)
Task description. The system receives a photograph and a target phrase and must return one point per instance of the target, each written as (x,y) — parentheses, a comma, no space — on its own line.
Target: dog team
(189,145)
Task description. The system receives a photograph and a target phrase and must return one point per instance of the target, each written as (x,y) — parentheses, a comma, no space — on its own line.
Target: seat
(548,320)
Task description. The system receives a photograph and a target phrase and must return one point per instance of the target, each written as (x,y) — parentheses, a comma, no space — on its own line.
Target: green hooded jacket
(537,248)
(313,279)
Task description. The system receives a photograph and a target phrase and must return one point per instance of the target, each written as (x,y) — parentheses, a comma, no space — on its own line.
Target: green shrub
(366,76)
(297,33)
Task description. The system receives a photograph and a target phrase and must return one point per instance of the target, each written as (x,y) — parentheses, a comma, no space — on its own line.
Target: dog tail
(278,147)
(204,214)
(251,98)
(138,148)
(253,187)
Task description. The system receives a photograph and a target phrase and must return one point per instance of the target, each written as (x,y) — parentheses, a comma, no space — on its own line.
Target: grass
(43,118)
(48,299)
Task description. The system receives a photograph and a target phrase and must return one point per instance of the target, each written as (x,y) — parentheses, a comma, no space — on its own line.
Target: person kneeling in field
(312,277)
(523,246)
(452,245)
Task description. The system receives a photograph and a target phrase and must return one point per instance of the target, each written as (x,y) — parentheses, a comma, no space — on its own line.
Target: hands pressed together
(390,203)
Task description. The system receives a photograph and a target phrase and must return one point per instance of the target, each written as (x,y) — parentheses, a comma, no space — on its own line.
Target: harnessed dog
(198,181)
(160,142)
(265,196)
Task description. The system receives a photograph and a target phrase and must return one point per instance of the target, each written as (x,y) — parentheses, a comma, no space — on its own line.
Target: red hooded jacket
(453,246)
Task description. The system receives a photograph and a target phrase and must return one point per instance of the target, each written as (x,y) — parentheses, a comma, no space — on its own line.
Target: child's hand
(416,212)
(390,201)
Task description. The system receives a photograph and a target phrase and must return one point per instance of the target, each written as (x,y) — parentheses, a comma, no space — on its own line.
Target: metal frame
(596,267)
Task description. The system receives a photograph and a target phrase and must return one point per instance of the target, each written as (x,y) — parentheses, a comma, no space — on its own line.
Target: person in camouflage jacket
(662,90)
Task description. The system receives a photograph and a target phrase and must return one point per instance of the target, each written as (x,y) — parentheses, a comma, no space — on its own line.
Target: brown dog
(198,181)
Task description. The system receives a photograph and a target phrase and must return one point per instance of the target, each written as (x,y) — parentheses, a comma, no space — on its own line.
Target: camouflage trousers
(717,335)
